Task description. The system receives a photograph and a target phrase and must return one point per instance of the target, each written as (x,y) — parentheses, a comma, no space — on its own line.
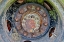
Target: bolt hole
(9,25)
(51,31)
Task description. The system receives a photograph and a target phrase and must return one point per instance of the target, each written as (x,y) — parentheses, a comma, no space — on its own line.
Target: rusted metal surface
(31,22)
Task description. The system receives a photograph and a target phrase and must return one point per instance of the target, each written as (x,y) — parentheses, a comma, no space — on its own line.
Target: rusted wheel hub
(31,20)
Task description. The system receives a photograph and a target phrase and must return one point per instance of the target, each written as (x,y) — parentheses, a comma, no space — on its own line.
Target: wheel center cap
(30,23)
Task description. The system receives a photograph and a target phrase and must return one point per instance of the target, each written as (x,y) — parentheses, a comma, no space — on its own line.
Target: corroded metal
(31,20)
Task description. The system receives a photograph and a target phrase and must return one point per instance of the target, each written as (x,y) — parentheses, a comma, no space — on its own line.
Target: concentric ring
(32,21)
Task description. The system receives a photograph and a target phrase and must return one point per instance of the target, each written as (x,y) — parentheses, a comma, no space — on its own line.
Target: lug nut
(38,8)
(21,11)
(44,15)
(16,19)
(45,24)
(33,35)
(18,28)
(25,33)
(29,7)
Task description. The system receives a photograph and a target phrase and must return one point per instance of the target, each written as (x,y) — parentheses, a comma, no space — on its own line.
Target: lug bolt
(21,11)
(16,19)
(25,33)
(45,24)
(38,8)
(29,7)
(33,35)
(18,28)
(44,15)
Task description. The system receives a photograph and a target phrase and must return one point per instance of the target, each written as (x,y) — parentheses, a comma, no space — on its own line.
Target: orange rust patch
(31,23)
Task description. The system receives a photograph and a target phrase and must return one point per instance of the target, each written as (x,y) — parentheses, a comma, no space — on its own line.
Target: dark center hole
(27,41)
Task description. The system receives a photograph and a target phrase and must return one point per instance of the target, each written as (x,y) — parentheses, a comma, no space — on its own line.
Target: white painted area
(4,23)
(1,40)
